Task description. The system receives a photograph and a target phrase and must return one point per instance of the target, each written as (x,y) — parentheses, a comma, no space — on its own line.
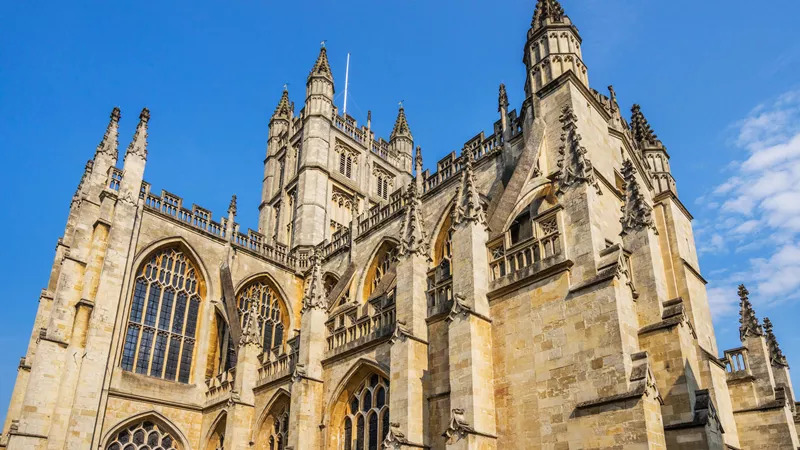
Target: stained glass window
(142,435)
(162,322)
(369,410)
(271,320)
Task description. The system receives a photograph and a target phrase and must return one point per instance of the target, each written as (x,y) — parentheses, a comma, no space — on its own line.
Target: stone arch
(330,279)
(181,443)
(187,248)
(278,288)
(443,224)
(277,408)
(543,193)
(336,409)
(215,437)
(367,275)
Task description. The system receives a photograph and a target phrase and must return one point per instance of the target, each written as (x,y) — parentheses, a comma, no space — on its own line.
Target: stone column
(472,420)
(409,352)
(305,412)
(241,404)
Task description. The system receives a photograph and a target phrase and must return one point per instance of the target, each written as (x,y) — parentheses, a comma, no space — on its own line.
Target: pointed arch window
(272,320)
(162,322)
(143,435)
(366,422)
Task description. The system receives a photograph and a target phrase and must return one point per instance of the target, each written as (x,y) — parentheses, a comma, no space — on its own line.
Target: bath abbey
(538,289)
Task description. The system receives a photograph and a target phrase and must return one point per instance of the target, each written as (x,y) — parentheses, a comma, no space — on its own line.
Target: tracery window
(366,423)
(384,264)
(162,322)
(142,435)
(279,431)
(271,321)
(347,159)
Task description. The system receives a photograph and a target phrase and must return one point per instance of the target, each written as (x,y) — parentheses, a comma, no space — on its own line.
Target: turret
(319,87)
(401,142)
(653,152)
(553,47)
(279,124)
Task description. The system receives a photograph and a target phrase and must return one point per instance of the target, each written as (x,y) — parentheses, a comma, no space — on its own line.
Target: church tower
(553,47)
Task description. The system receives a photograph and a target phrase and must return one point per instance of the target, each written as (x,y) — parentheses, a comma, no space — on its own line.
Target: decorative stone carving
(547,9)
(284,109)
(299,372)
(251,332)
(642,376)
(401,128)
(468,207)
(314,296)
(401,332)
(232,206)
(636,213)
(413,238)
(502,101)
(460,308)
(573,165)
(775,353)
(643,135)
(748,323)
(459,428)
(321,67)
(395,439)
(110,142)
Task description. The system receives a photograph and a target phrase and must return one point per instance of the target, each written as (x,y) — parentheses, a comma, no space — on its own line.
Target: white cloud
(760,209)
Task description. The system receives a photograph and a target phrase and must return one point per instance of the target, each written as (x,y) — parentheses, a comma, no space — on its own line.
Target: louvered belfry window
(162,323)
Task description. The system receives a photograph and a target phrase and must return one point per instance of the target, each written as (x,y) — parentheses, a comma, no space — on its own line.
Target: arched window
(273,430)
(440,279)
(162,321)
(143,435)
(366,422)
(279,431)
(380,266)
(272,320)
(329,282)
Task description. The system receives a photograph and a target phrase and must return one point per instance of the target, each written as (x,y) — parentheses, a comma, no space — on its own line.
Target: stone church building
(539,290)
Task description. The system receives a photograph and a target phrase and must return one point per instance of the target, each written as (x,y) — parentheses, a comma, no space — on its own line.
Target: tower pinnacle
(547,10)
(401,128)
(642,133)
(749,325)
(322,68)
(110,141)
(502,100)
(776,355)
(284,109)
(138,145)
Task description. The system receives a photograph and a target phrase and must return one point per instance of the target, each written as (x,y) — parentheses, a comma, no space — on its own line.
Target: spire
(776,355)
(636,213)
(284,108)
(418,170)
(547,10)
(401,128)
(749,325)
(322,68)
(413,238)
(251,334)
(314,297)
(642,133)
(86,171)
(468,201)
(138,145)
(502,101)
(232,206)
(110,140)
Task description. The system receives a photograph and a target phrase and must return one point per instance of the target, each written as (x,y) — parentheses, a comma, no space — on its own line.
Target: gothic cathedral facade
(539,290)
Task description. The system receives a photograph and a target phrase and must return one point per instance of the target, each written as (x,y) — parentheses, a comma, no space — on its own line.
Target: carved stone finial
(748,323)
(232,206)
(468,206)
(636,213)
(138,145)
(502,101)
(401,128)
(643,135)
(459,428)
(776,354)
(547,10)
(573,165)
(321,67)
(314,297)
(251,331)
(110,143)
(413,238)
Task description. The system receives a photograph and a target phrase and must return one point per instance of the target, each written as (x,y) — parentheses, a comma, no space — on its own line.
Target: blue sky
(717,81)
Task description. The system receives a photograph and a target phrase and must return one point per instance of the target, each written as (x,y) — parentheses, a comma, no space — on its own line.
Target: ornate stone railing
(379,214)
(451,164)
(348,127)
(274,366)
(504,262)
(360,325)
(220,386)
(736,364)
(339,241)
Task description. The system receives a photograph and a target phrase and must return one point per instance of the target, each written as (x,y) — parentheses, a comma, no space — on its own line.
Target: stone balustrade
(522,255)
(275,366)
(220,386)
(356,326)
(736,364)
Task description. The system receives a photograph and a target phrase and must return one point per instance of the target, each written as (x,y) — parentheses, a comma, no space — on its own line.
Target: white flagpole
(346,79)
